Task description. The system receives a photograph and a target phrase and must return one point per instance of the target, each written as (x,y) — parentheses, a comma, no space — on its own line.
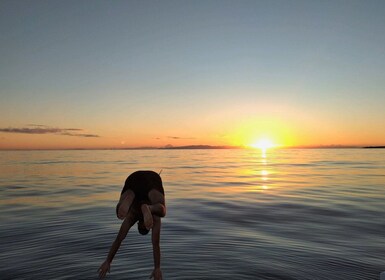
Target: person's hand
(103,269)
(156,274)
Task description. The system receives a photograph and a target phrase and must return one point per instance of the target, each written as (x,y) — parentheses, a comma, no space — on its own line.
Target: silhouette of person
(142,200)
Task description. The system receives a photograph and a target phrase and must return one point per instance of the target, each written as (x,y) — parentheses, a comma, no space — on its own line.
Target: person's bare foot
(147,216)
(125,204)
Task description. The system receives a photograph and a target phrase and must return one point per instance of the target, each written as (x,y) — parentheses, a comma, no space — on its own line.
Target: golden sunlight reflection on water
(85,177)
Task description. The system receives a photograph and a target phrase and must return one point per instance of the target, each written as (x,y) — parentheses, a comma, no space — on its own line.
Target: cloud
(180,138)
(43,129)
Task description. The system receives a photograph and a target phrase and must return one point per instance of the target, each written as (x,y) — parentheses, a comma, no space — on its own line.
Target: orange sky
(211,130)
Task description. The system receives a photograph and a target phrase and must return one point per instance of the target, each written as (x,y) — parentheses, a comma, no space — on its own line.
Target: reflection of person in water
(142,200)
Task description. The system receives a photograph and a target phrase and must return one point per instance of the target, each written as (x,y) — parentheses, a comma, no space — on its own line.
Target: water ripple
(319,215)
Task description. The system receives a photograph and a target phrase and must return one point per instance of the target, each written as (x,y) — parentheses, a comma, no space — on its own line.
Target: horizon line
(202,147)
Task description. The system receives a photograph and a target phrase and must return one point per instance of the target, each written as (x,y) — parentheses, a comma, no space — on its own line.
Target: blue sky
(135,71)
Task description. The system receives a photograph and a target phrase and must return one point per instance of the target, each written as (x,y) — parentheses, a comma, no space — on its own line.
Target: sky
(118,74)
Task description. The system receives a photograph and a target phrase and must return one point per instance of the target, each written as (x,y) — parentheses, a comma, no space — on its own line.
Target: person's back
(141,182)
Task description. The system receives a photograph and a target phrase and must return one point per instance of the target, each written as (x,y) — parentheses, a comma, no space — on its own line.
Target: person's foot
(147,216)
(125,204)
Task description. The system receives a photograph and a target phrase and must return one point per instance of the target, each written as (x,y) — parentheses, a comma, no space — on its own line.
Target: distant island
(171,147)
(197,147)
(374,147)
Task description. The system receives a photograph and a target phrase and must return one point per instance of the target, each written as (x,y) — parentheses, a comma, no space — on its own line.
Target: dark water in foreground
(232,214)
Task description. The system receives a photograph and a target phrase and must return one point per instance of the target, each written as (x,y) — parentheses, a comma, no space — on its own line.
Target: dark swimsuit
(142,182)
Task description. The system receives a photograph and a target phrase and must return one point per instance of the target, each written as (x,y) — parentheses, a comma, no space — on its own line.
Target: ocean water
(232,214)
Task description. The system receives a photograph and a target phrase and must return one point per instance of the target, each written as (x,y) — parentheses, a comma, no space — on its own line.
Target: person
(142,200)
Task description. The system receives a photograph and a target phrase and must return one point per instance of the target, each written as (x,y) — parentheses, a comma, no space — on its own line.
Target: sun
(263,144)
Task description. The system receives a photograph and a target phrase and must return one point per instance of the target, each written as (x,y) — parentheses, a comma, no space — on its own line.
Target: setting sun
(263,144)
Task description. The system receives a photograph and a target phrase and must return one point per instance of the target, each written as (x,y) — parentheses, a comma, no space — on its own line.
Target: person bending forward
(141,200)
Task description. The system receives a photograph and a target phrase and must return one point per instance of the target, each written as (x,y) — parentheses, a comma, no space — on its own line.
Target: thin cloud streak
(180,138)
(42,129)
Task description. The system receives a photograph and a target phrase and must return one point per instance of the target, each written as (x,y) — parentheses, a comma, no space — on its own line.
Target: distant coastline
(200,147)
(213,147)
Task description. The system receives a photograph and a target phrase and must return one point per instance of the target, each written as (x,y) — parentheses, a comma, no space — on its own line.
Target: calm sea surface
(232,214)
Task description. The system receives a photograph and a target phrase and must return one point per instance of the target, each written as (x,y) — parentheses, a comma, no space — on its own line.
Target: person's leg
(156,206)
(147,216)
(157,203)
(124,203)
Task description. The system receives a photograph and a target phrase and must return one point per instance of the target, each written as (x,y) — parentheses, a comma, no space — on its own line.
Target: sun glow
(263,144)
(262,133)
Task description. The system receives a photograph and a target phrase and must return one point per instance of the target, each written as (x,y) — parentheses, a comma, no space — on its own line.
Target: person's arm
(124,228)
(157,273)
